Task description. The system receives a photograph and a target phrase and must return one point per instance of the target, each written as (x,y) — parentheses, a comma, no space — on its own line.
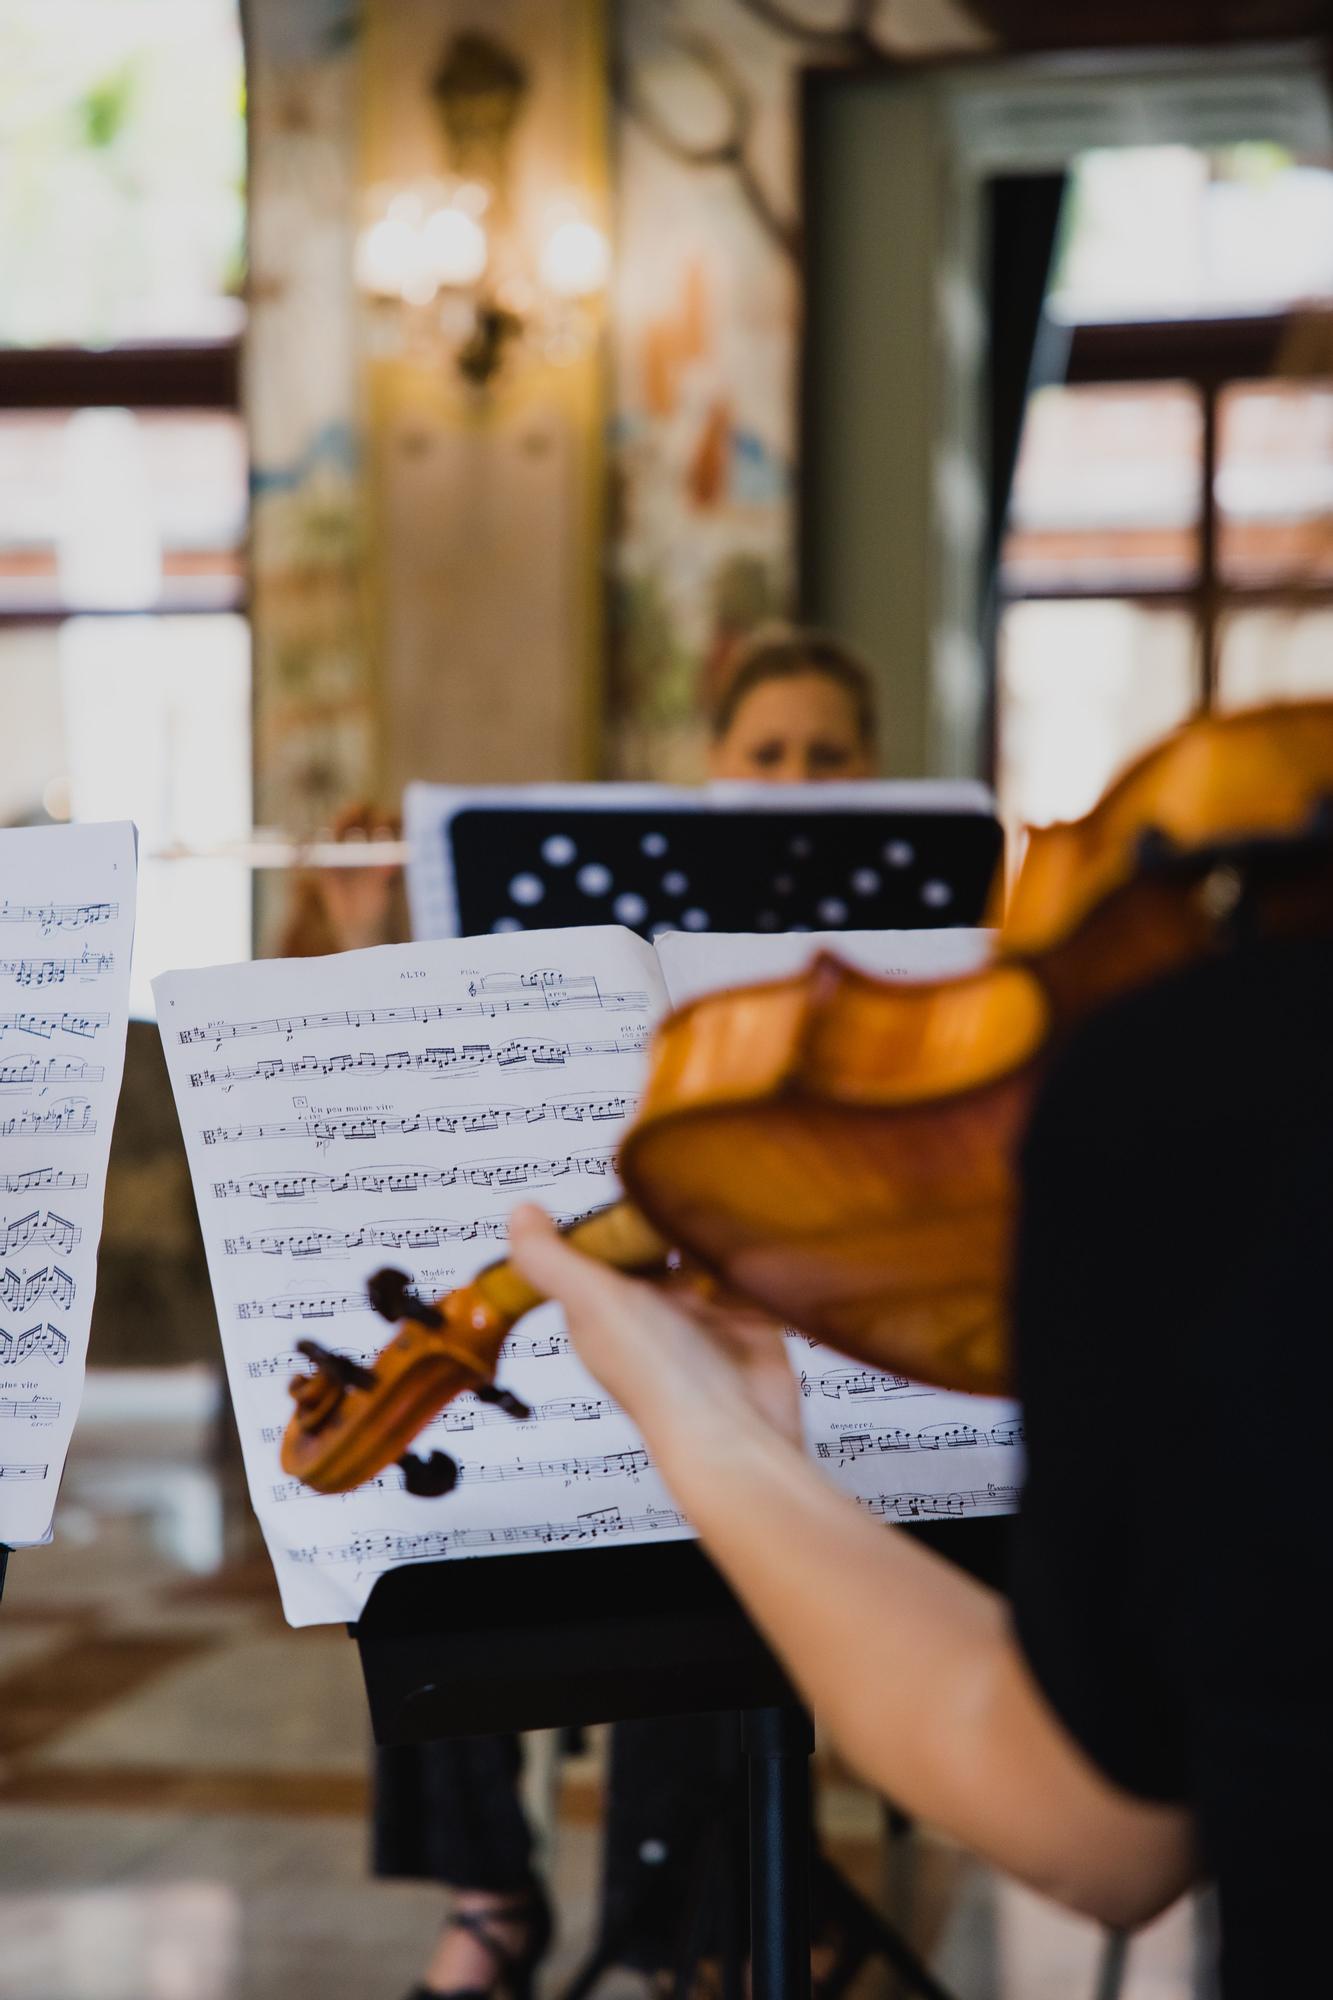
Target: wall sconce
(440,260)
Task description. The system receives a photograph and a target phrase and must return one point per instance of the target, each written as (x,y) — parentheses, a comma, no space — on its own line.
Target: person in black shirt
(1157,1706)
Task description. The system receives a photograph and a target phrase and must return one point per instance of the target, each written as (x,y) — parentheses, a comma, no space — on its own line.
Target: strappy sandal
(514,1970)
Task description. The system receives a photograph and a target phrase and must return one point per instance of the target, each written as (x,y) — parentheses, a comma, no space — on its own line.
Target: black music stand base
(535,1642)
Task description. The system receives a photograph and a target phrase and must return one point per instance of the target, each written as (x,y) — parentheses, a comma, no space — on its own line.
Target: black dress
(1174,1561)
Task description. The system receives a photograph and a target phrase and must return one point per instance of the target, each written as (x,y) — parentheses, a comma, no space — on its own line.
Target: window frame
(1210,355)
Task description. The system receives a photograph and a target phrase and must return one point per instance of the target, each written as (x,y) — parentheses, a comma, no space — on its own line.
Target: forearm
(912,1666)
(908,1661)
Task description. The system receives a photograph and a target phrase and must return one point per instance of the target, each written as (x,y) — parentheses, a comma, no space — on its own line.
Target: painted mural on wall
(315,741)
(706,314)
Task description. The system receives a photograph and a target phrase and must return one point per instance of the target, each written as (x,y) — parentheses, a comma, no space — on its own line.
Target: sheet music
(392,1106)
(66,932)
(904,1451)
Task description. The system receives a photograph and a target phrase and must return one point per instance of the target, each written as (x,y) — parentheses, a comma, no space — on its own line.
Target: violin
(839,1150)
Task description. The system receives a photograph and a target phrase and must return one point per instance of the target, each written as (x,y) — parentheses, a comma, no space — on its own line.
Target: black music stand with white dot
(531,1642)
(655,858)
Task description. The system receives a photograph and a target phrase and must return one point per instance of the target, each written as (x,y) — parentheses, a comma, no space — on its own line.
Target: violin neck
(617,1236)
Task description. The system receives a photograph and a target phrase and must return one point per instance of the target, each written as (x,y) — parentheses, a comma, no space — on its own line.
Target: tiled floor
(183,1798)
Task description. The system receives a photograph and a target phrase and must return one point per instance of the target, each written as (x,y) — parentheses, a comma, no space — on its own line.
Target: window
(124,652)
(1170,538)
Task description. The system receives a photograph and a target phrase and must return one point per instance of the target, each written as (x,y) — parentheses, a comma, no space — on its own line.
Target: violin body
(841,1150)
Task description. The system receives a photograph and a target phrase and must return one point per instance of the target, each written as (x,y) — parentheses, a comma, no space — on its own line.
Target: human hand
(687,1371)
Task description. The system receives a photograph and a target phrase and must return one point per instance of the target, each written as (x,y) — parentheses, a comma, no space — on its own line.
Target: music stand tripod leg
(778,1743)
(4,1565)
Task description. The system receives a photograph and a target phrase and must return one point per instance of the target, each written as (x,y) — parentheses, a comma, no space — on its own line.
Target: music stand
(607,1635)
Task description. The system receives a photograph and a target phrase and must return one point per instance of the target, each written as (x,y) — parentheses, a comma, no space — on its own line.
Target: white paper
(904,1451)
(704,961)
(391,1106)
(66,935)
(429,810)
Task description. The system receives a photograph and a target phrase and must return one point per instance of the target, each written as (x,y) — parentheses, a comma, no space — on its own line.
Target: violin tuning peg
(504,1399)
(391,1296)
(429,1477)
(339,1368)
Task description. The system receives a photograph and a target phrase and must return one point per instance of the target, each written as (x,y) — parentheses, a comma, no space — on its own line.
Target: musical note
(934,1506)
(39,1179)
(19,1290)
(932,1437)
(59,916)
(46,1025)
(431,1545)
(35,1227)
(30,1409)
(55,971)
(23,1471)
(360,1126)
(31,1072)
(72,1117)
(469,1056)
(546,999)
(48,1340)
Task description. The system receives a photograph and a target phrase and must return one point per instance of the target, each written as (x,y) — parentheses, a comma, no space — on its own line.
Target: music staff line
(54,1230)
(41,1180)
(465,1414)
(71,1118)
(59,916)
(933,1506)
(932,1437)
(24,1471)
(31,1073)
(37,1340)
(486,1005)
(324,1128)
(21,1289)
(856,1384)
(30,1409)
(630,1464)
(419,1233)
(297,1186)
(434,1544)
(528,1346)
(46,1025)
(441,1061)
(55,971)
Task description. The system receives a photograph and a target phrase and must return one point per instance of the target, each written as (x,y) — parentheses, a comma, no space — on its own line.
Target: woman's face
(795,730)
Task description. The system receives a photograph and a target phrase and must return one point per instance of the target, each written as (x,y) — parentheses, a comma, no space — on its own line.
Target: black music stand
(527,1642)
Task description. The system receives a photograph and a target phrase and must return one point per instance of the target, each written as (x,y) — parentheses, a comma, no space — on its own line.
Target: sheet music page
(390,1107)
(904,1451)
(66,934)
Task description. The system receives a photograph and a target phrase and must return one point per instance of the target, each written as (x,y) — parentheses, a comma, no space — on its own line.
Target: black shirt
(1173,1568)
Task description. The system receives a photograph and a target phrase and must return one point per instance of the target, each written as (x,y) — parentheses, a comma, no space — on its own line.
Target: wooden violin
(840,1150)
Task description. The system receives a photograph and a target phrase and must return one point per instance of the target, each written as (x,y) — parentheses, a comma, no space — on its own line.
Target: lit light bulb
(453,247)
(386,257)
(575,260)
